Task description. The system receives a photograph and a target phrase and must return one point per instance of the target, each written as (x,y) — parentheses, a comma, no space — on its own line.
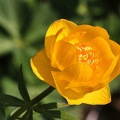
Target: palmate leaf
(28,115)
(22,87)
(53,105)
(8,100)
(48,114)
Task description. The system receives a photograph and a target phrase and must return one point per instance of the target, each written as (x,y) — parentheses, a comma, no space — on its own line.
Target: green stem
(32,103)
(17,113)
(42,95)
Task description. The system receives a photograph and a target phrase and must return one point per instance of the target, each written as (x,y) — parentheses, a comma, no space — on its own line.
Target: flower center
(87,55)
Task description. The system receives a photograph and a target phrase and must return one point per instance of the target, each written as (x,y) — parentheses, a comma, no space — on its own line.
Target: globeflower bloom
(79,61)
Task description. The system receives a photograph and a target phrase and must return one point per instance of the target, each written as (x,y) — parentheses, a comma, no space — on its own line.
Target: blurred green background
(23,25)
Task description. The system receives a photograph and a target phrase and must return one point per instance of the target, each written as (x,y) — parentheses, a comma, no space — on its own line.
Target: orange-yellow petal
(96,32)
(116,70)
(107,76)
(99,97)
(73,82)
(79,29)
(41,67)
(69,93)
(58,24)
(103,48)
(58,30)
(114,47)
(64,55)
(50,42)
(76,31)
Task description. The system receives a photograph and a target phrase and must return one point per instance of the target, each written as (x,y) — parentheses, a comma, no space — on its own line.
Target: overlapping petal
(96,32)
(114,47)
(42,68)
(99,97)
(64,55)
(58,30)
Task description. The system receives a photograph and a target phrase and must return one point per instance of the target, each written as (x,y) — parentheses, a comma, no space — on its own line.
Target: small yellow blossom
(79,61)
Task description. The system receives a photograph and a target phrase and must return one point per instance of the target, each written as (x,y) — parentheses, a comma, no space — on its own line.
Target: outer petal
(73,82)
(112,71)
(96,32)
(116,65)
(116,51)
(81,28)
(64,55)
(41,67)
(103,48)
(99,97)
(77,33)
(58,30)
(103,54)
(114,47)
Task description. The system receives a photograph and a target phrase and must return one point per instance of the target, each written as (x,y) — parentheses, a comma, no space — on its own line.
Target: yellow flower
(79,61)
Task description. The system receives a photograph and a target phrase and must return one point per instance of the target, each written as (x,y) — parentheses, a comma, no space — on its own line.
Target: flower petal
(69,93)
(99,97)
(58,30)
(107,76)
(71,83)
(41,67)
(96,32)
(116,69)
(103,48)
(50,42)
(64,55)
(104,53)
(77,34)
(57,25)
(114,47)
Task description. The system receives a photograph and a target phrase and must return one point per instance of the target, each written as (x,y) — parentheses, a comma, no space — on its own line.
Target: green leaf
(6,45)
(22,87)
(9,16)
(53,105)
(2,114)
(39,23)
(28,115)
(8,100)
(67,116)
(49,114)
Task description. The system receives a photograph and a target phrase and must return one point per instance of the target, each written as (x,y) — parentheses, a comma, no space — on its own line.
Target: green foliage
(22,87)
(8,100)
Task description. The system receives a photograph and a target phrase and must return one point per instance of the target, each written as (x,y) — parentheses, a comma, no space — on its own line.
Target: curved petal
(116,69)
(99,97)
(77,33)
(82,94)
(73,82)
(58,30)
(96,32)
(106,76)
(103,54)
(102,47)
(115,47)
(64,55)
(79,29)
(58,24)
(69,93)
(41,67)
(50,42)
